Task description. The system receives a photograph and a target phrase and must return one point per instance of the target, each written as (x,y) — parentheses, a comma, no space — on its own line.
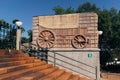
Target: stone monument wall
(87,21)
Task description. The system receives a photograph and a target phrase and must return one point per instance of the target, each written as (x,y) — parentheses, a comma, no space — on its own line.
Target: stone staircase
(19,66)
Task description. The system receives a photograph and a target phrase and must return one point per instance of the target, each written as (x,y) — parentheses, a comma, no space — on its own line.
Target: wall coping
(74,50)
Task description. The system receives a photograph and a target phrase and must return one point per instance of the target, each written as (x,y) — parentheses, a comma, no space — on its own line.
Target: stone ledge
(74,50)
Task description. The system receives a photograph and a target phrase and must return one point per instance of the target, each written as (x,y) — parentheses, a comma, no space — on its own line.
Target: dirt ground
(110,76)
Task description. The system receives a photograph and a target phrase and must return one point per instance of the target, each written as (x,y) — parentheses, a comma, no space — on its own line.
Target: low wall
(89,58)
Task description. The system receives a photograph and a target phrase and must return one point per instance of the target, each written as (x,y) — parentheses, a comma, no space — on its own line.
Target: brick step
(15,59)
(15,63)
(14,55)
(38,75)
(84,78)
(54,75)
(65,76)
(75,77)
(20,73)
(6,51)
(2,52)
(19,67)
(32,76)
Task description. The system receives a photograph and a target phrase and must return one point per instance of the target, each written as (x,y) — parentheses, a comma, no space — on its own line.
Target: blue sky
(24,10)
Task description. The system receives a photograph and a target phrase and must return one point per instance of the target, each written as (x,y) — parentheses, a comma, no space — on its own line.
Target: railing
(55,59)
(43,55)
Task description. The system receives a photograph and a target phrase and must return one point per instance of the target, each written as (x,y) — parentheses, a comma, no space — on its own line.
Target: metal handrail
(70,64)
(73,59)
(54,62)
(69,68)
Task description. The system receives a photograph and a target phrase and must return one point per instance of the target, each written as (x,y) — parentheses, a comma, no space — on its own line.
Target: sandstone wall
(86,21)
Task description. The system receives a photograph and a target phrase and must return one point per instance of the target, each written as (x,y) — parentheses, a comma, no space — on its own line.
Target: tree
(113,12)
(116,31)
(24,40)
(58,10)
(69,10)
(14,21)
(105,24)
(87,7)
(8,34)
(5,34)
(30,35)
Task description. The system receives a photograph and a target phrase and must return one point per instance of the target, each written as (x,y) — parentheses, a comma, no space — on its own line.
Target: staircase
(19,66)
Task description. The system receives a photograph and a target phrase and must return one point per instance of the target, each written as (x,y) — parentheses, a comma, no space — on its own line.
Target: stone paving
(110,76)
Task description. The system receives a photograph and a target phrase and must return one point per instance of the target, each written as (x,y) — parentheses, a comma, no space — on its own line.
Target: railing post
(54,59)
(96,73)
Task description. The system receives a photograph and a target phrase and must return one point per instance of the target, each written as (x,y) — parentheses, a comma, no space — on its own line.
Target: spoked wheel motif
(46,39)
(79,42)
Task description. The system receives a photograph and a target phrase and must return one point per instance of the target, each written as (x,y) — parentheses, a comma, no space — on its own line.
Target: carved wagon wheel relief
(79,41)
(46,39)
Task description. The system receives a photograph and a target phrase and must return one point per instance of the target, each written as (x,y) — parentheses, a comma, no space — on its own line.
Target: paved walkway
(110,76)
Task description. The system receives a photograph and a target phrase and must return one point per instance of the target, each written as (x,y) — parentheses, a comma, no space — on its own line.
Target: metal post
(54,59)
(96,73)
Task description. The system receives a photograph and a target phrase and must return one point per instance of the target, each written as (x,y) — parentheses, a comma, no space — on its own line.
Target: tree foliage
(24,40)
(60,10)
(87,7)
(30,35)
(8,34)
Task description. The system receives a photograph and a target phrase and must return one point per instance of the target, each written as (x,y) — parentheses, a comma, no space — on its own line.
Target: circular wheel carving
(79,41)
(46,39)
